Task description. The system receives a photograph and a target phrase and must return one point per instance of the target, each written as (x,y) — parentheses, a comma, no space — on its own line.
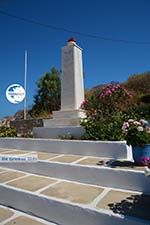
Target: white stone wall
(108,149)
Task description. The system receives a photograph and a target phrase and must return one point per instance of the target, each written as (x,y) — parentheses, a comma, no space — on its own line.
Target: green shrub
(104,128)
(106,111)
(145,98)
(106,108)
(138,111)
(112,97)
(7,132)
(140,83)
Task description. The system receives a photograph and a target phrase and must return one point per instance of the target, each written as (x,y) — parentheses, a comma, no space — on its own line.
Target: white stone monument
(67,120)
(72,94)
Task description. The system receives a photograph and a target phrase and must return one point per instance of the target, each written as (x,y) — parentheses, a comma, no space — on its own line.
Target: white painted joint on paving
(15,179)
(55,157)
(100,197)
(78,160)
(47,186)
(14,216)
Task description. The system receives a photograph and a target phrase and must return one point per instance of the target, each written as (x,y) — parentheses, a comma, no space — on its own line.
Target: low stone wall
(108,149)
(25,127)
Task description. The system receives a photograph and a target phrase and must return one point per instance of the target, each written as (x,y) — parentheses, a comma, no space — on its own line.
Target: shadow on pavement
(135,205)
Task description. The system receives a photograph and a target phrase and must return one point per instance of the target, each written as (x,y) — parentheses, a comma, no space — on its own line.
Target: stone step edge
(116,150)
(61,212)
(103,176)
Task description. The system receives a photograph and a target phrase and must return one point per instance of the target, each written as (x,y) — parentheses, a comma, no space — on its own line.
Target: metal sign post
(25,85)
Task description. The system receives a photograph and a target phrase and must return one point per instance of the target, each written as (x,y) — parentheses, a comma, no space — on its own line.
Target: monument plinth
(67,120)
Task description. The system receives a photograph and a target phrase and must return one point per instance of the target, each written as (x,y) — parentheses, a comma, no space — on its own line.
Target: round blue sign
(15,93)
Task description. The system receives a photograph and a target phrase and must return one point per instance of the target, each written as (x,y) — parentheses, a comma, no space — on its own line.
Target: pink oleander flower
(109,90)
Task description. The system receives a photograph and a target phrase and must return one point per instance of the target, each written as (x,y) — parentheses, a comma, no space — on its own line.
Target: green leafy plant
(140,110)
(104,128)
(105,111)
(7,132)
(136,132)
(47,97)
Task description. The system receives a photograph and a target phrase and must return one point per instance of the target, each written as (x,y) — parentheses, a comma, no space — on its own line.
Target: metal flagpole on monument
(25,83)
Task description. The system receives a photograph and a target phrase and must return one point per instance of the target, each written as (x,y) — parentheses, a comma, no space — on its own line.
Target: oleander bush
(106,110)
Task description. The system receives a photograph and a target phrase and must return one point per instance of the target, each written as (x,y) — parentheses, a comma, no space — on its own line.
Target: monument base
(58,132)
(69,114)
(64,124)
(65,119)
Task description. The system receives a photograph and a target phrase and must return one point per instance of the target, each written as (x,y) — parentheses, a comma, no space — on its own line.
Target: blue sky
(104,61)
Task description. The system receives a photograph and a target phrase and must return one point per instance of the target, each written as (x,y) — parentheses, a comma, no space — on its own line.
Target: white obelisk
(72,92)
(67,120)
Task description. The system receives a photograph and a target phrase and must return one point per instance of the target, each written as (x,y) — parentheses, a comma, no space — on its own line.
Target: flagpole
(25,84)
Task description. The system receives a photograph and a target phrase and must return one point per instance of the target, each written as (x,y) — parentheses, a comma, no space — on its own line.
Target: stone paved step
(72,203)
(9,216)
(63,158)
(87,169)
(75,159)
